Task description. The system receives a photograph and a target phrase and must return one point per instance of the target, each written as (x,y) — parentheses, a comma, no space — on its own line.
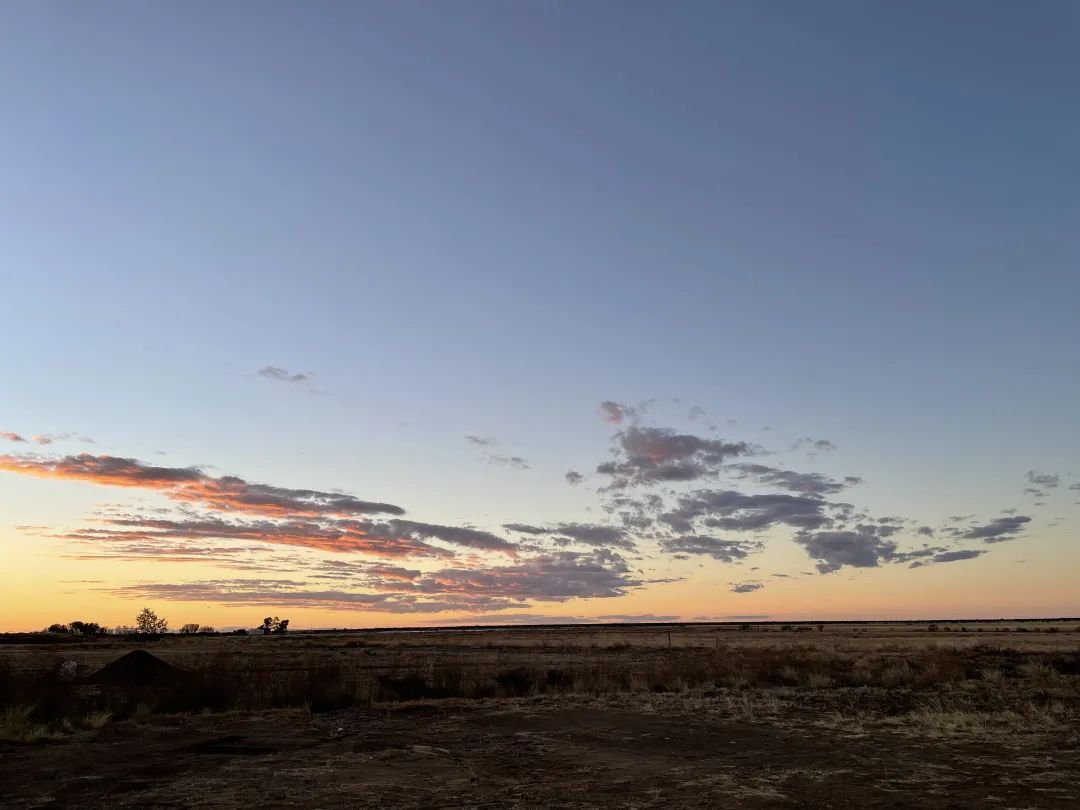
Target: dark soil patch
(532,754)
(139,669)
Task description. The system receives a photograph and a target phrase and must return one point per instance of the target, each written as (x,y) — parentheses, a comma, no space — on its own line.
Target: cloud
(517,462)
(148,536)
(1046,480)
(282,594)
(998,530)
(730,510)
(461,536)
(814,446)
(615,412)
(926,531)
(696,412)
(547,618)
(557,577)
(746,587)
(834,549)
(43,438)
(590,534)
(192,485)
(573,478)
(647,455)
(803,483)
(283,375)
(723,550)
(961,554)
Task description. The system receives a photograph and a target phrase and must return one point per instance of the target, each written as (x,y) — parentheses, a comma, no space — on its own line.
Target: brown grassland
(876,715)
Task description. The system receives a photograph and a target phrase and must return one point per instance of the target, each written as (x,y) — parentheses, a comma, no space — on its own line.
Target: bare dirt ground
(988,740)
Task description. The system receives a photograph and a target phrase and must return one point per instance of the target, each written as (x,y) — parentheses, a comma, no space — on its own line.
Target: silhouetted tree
(57,628)
(272,624)
(148,622)
(189,629)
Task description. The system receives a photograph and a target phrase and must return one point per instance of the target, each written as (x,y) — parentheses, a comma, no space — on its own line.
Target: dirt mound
(138,668)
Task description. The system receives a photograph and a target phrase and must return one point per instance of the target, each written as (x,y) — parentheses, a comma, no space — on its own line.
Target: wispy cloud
(997,531)
(1044,480)
(590,534)
(615,412)
(485,443)
(284,375)
(715,547)
(804,483)
(556,577)
(192,485)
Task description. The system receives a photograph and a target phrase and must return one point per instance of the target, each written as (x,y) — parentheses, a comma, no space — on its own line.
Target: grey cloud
(590,534)
(814,446)
(12,437)
(727,509)
(648,455)
(525,528)
(997,530)
(555,577)
(480,440)
(457,535)
(1047,480)
(573,478)
(746,587)
(803,483)
(718,549)
(283,375)
(517,462)
(834,549)
(962,554)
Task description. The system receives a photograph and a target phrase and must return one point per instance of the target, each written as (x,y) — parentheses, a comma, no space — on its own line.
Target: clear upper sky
(851,222)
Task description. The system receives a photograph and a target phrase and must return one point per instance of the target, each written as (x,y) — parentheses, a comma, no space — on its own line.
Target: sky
(376,314)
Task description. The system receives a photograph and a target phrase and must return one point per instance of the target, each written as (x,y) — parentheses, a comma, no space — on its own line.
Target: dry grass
(942,683)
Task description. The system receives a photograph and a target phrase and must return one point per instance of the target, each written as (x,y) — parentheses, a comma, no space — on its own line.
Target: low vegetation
(962,685)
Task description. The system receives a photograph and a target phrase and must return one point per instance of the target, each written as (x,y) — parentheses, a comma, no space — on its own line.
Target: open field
(877,715)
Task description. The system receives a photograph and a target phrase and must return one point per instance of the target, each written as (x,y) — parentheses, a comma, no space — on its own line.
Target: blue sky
(844,220)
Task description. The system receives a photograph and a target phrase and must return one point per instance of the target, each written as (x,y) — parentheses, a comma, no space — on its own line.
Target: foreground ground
(885,717)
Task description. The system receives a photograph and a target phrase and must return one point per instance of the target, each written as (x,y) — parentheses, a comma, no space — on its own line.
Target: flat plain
(833,715)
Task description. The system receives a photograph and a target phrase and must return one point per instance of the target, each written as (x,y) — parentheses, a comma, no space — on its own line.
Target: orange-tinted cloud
(192,485)
(337,536)
(11,437)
